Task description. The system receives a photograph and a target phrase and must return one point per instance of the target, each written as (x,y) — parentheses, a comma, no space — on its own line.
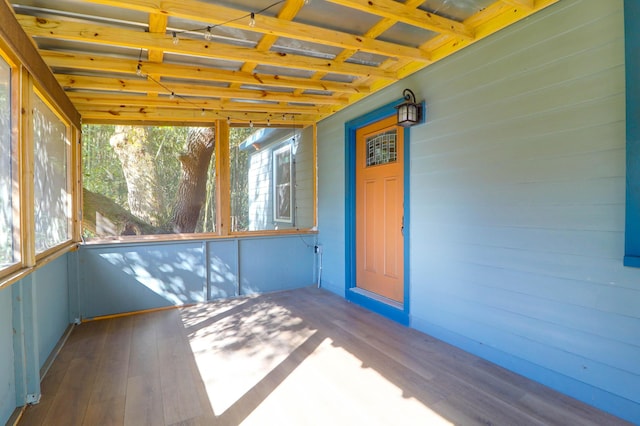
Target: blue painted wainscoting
(119,278)
(34,314)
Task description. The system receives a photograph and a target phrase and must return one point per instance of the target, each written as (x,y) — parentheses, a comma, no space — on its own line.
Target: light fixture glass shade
(409,112)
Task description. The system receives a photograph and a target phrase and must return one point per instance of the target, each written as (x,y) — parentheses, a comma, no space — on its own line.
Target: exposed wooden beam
(123,115)
(158,25)
(209,13)
(529,4)
(141,85)
(84,100)
(409,15)
(14,36)
(129,66)
(494,18)
(69,30)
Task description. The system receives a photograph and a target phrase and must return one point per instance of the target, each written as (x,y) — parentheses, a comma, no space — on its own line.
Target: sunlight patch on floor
(261,356)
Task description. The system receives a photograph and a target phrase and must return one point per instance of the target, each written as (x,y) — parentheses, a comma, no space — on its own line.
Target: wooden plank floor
(302,357)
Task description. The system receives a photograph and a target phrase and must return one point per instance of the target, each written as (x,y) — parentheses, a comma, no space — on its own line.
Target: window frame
(16,196)
(223,197)
(69,178)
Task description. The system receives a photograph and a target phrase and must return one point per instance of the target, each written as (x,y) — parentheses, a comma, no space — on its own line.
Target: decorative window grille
(381,148)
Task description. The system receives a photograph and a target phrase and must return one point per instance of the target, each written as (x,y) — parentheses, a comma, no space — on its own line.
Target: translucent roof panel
(331,16)
(83,11)
(304,48)
(458,10)
(176,58)
(408,35)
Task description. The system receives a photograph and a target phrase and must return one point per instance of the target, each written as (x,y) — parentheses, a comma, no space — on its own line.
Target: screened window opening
(381,148)
(272,178)
(51,178)
(7,246)
(148,180)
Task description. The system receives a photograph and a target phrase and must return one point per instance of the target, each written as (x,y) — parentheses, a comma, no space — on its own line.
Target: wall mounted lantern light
(409,112)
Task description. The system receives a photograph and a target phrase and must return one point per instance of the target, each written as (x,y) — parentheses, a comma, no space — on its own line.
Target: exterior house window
(282,184)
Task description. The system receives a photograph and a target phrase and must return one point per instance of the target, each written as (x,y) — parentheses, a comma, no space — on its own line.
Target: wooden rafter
(123,69)
(409,15)
(128,66)
(141,85)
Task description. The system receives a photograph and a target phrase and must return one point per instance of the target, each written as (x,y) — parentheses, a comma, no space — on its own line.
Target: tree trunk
(192,188)
(138,166)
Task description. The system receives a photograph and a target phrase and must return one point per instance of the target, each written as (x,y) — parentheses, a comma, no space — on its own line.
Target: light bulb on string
(174,35)
(172,96)
(229,121)
(139,70)
(202,112)
(252,20)
(207,34)
(251,124)
(268,123)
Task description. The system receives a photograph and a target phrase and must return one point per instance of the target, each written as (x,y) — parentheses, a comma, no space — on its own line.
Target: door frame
(393,311)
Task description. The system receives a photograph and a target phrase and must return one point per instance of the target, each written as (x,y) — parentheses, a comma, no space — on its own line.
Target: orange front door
(379,209)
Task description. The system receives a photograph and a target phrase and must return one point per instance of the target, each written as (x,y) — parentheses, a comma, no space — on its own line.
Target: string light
(268,123)
(251,124)
(139,70)
(208,34)
(202,112)
(172,96)
(229,121)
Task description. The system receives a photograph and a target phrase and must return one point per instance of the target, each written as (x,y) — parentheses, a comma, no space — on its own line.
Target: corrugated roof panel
(458,10)
(331,16)
(408,35)
(179,59)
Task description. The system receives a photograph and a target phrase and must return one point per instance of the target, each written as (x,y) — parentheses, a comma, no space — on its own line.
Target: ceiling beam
(69,30)
(211,14)
(529,4)
(86,62)
(142,85)
(124,115)
(409,15)
(87,100)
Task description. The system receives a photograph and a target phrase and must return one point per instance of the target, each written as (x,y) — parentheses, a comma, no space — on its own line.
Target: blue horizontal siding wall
(518,203)
(132,277)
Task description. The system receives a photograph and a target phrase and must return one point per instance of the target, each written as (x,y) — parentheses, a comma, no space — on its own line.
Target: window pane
(50,178)
(6,202)
(144,180)
(271,178)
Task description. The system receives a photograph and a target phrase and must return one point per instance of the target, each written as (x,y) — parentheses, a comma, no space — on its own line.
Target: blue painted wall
(34,314)
(7,377)
(118,278)
(517,203)
(52,305)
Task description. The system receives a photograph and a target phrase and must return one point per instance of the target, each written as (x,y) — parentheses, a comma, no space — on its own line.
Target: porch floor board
(300,357)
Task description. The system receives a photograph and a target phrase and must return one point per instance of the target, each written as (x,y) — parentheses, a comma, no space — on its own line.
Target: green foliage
(239,163)
(102,172)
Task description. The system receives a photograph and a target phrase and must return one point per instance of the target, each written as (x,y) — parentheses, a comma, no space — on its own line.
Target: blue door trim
(632,59)
(400,315)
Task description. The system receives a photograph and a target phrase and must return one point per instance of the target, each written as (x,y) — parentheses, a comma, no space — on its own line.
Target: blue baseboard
(384,309)
(606,401)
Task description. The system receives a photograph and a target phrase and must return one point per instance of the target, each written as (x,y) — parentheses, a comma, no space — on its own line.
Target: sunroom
(215,212)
